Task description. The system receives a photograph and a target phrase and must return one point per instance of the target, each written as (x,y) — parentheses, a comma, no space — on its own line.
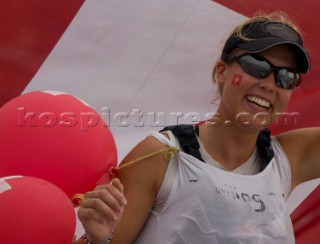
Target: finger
(99,187)
(100,208)
(109,196)
(115,199)
(119,193)
(116,183)
(114,188)
(90,214)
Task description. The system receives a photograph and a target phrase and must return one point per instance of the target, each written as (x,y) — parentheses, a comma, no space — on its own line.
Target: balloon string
(173,151)
(113,171)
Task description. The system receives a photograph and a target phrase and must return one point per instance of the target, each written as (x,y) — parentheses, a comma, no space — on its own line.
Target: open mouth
(259,102)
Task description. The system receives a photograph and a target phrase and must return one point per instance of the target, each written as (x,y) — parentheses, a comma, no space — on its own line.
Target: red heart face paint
(237,79)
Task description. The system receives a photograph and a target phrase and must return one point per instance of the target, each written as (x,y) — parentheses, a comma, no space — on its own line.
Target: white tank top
(205,204)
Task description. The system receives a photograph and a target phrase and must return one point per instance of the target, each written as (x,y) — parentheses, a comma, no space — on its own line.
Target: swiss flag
(237,79)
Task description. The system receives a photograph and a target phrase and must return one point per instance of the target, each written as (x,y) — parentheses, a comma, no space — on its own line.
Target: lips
(259,101)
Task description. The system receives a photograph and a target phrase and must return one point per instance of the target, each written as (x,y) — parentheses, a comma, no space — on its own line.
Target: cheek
(282,102)
(233,91)
(237,79)
(285,99)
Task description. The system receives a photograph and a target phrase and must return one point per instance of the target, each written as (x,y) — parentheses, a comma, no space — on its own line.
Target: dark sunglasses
(259,67)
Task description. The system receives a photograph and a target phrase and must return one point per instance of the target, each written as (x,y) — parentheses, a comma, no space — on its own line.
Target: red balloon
(33,210)
(56,137)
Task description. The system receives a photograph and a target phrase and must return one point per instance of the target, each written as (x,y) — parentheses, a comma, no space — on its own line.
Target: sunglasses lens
(287,79)
(260,68)
(255,67)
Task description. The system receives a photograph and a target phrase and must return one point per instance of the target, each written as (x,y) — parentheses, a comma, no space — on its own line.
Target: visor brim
(261,44)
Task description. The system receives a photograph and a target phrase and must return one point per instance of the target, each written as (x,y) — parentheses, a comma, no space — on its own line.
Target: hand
(102,209)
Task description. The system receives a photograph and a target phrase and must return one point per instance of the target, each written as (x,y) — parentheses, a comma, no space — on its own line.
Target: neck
(231,146)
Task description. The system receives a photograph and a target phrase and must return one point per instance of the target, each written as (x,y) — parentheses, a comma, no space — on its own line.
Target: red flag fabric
(28,32)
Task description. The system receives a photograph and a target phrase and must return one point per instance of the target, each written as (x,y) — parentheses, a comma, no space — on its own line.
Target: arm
(302,147)
(141,182)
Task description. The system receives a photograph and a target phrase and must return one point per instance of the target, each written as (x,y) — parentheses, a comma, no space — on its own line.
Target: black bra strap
(264,148)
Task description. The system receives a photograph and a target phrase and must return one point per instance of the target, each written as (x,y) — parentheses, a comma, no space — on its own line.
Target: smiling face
(246,100)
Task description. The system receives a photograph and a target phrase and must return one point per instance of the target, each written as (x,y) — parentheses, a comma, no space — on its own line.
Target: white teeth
(259,101)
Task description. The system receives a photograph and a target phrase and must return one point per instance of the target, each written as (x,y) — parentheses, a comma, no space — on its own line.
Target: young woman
(235,191)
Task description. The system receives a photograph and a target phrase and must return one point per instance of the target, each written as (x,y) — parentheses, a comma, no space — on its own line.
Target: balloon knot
(113,172)
(76,199)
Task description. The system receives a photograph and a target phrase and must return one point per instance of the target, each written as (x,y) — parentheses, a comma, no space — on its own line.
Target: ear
(219,72)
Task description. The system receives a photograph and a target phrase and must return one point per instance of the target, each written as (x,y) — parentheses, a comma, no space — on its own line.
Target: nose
(268,83)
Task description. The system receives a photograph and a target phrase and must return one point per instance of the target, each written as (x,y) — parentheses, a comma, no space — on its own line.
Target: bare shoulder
(144,160)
